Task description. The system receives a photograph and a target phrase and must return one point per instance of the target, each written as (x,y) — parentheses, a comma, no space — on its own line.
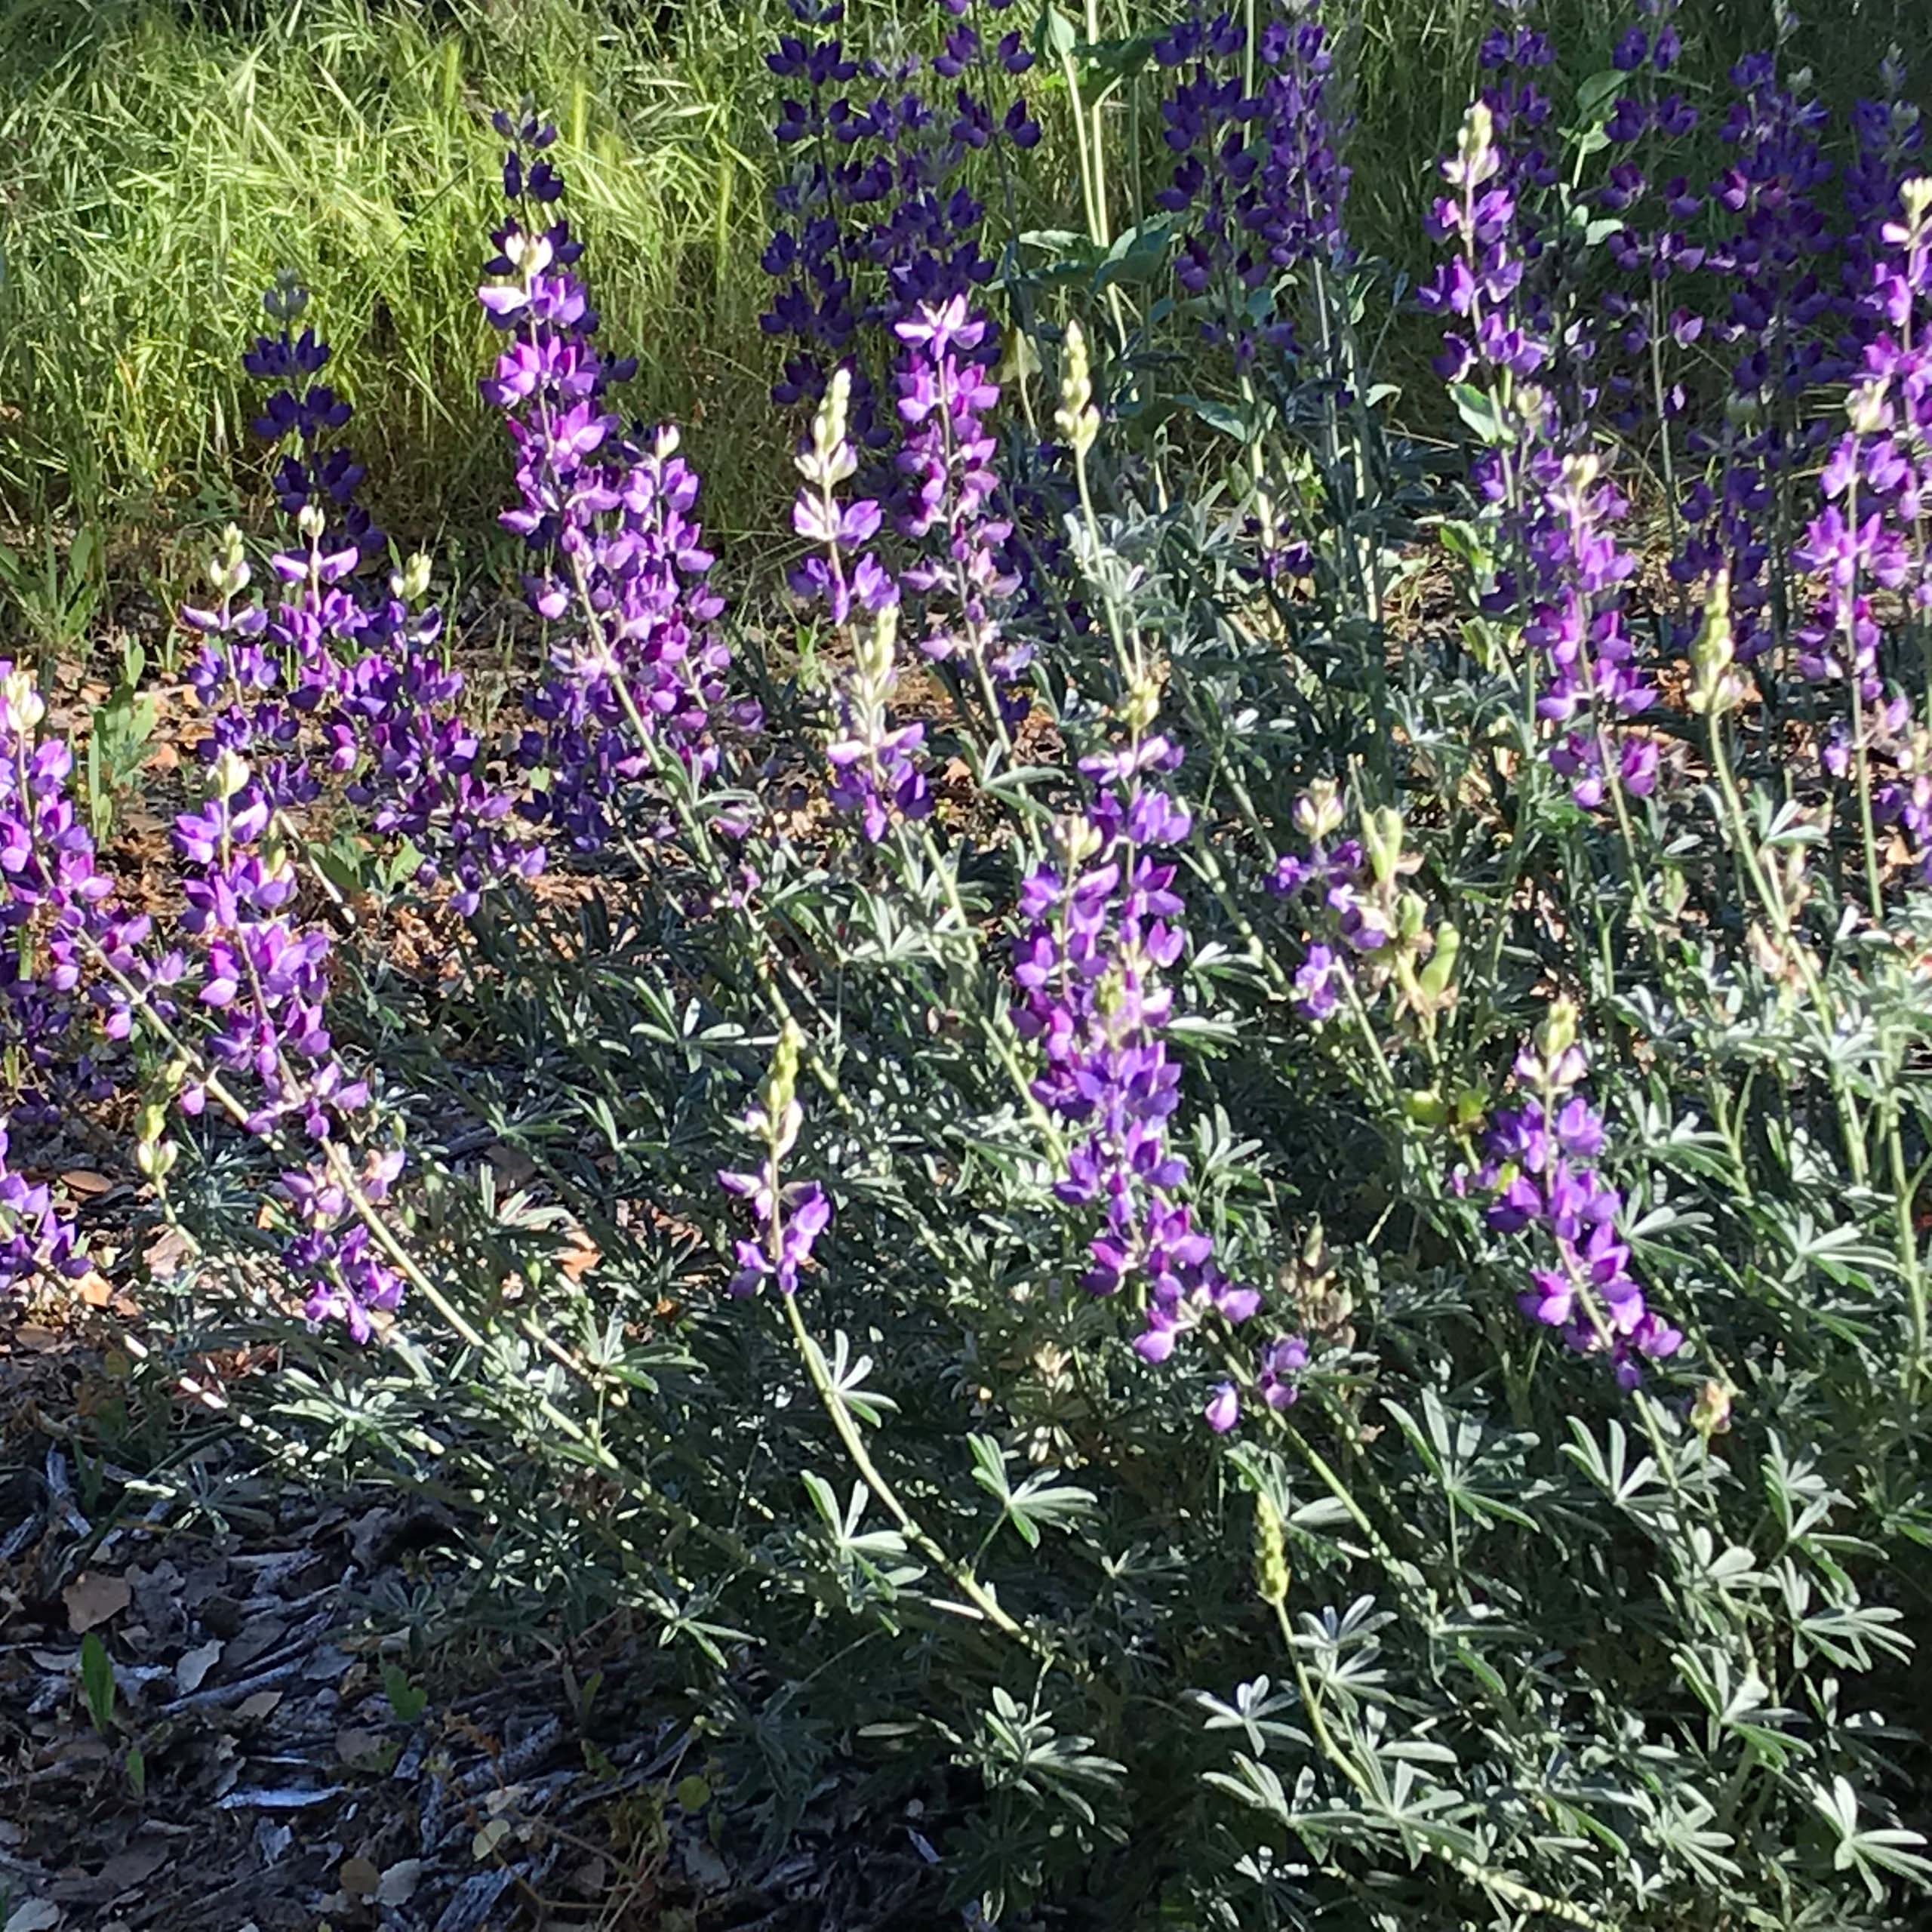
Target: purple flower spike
(1542,1177)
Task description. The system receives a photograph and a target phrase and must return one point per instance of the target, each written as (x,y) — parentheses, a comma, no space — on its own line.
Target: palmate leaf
(1040,1501)
(1886,1851)
(1456,1452)
(1256,1713)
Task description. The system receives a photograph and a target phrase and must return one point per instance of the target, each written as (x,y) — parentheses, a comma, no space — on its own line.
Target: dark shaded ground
(270,1755)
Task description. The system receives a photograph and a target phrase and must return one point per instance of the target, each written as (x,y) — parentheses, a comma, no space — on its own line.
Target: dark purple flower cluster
(63,940)
(1103,928)
(1868,540)
(621,567)
(56,910)
(300,416)
(36,1240)
(1653,318)
(339,677)
(1567,575)
(876,218)
(1543,1175)
(1775,319)
(263,979)
(1593,686)
(422,773)
(959,575)
(1333,887)
(1259,183)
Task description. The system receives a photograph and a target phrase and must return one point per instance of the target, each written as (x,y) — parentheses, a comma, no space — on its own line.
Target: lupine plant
(1227,1117)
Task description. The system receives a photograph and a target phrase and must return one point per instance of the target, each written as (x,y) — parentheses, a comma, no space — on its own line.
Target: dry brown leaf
(92,1598)
(360,1878)
(84,1180)
(352,1744)
(259,1706)
(583,1255)
(165,1253)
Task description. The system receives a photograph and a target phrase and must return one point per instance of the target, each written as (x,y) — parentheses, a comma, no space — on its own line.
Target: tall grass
(167,167)
(167,157)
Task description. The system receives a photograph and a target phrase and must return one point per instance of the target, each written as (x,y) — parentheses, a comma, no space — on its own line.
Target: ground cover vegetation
(1198,1132)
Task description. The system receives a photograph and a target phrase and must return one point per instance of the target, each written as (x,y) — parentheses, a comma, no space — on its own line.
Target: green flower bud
(1382,835)
(1271,1554)
(228,774)
(1710,1414)
(1077,420)
(1557,1033)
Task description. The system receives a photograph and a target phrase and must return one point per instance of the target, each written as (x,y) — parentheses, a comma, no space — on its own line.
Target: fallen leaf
(399,1881)
(93,1599)
(95,1289)
(583,1255)
(489,1837)
(165,1253)
(138,1863)
(84,1180)
(353,1744)
(195,1664)
(35,1915)
(259,1706)
(359,1877)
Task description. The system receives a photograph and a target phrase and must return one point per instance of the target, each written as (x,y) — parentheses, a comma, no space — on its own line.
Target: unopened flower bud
(1021,360)
(310,521)
(1868,409)
(1143,703)
(1710,1413)
(228,774)
(1077,420)
(1076,838)
(873,654)
(1476,159)
(1558,1034)
(1437,978)
(411,583)
(25,707)
(1317,812)
(1715,688)
(1381,836)
(1271,1554)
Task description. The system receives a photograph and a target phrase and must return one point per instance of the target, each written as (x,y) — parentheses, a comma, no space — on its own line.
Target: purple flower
(1103,928)
(1542,1178)
(619,560)
(1258,183)
(789,1217)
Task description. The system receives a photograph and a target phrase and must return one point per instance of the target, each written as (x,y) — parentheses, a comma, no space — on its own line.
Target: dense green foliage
(1224,1166)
